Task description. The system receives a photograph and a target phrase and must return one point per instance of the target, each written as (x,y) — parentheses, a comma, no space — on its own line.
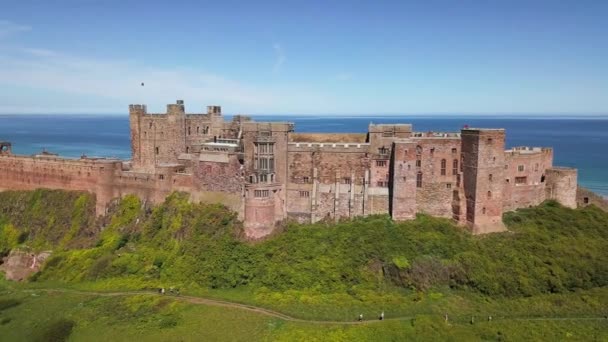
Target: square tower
(483,175)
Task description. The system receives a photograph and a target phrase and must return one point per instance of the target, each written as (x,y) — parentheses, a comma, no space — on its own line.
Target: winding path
(276,314)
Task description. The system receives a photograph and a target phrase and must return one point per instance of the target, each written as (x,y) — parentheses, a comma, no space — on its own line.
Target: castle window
(489,194)
(520,168)
(586,200)
(157,150)
(521,180)
(542,178)
(306,179)
(490,140)
(188,130)
(508,180)
(483,210)
(261,193)
(161,177)
(382,184)
(150,124)
(304,194)
(404,179)
(419,180)
(383,150)
(418,163)
(506,166)
(448,185)
(263,178)
(387,134)
(345,180)
(381,163)
(432,151)
(454,150)
(443,166)
(455,167)
(418,150)
(252,179)
(187,149)
(405,153)
(198,129)
(490,177)
(145,134)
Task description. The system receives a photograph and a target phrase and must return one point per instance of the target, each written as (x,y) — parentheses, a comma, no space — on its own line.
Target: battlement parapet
(521,150)
(397,128)
(138,109)
(328,147)
(436,135)
(252,126)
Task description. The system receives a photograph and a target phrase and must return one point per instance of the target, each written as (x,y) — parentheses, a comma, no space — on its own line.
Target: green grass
(156,318)
(551,264)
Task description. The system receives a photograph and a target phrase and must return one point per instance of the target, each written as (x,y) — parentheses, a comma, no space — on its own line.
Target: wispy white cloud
(8,28)
(102,84)
(280,58)
(343,76)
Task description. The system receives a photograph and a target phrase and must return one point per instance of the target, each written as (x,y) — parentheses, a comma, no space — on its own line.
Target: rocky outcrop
(19,264)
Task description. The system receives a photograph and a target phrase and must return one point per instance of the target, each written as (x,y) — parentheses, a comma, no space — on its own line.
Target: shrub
(57,331)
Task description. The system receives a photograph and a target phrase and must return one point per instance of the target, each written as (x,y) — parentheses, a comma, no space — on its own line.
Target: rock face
(18,265)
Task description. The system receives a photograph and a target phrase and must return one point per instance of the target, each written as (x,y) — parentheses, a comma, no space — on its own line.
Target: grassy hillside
(551,263)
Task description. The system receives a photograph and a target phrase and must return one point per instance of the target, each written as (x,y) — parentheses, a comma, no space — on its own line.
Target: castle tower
(483,176)
(136,112)
(561,185)
(175,135)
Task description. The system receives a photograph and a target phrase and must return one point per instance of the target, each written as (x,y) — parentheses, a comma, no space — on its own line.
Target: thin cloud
(40,52)
(116,83)
(8,28)
(344,76)
(280,58)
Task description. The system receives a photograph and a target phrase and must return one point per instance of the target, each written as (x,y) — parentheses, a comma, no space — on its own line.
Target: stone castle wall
(268,173)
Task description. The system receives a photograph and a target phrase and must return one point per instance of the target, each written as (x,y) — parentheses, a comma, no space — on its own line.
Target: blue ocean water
(580,143)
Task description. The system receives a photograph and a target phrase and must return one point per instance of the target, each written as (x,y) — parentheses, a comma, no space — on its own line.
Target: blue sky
(305,57)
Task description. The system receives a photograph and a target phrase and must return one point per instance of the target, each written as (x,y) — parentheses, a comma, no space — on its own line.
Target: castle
(268,173)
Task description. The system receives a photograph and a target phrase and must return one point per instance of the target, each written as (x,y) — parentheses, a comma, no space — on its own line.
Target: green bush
(57,331)
(548,249)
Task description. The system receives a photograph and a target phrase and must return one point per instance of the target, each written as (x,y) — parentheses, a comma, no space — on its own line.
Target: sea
(577,142)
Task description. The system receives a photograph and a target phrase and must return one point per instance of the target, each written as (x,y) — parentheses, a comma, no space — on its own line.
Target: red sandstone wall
(483,155)
(534,164)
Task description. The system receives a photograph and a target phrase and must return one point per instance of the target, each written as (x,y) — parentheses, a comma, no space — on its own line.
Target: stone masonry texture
(268,173)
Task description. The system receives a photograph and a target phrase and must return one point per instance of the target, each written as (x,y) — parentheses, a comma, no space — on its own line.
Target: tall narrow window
(455,167)
(157,150)
(419,180)
(188,130)
(490,177)
(489,194)
(443,166)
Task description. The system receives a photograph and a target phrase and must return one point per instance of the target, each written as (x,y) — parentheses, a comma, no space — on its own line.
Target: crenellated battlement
(267,172)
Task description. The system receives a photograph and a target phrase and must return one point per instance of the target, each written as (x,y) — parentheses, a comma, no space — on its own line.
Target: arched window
(455,167)
(443,166)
